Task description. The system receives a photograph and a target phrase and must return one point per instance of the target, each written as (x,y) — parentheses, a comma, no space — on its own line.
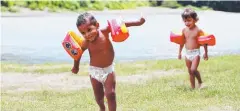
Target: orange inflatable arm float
(119,31)
(177,38)
(202,40)
(72,44)
(207,39)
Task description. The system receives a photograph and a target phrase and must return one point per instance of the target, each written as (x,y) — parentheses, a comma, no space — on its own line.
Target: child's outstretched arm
(139,22)
(135,23)
(76,63)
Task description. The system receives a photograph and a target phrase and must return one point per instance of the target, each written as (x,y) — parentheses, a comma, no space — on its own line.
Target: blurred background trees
(57,6)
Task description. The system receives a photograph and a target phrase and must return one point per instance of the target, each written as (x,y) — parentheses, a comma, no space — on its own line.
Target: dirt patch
(66,81)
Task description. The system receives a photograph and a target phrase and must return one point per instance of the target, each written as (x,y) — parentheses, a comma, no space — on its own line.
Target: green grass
(128,68)
(171,93)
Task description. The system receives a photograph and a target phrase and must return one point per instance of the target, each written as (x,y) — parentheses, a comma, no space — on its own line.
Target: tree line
(229,6)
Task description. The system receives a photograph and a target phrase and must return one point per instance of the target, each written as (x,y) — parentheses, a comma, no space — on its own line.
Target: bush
(4,9)
(98,6)
(83,4)
(121,5)
(143,3)
(10,3)
(33,6)
(112,5)
(13,9)
(171,4)
(53,8)
(117,4)
(153,3)
(20,3)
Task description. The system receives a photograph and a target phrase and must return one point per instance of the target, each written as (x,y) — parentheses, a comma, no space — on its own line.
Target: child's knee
(193,71)
(99,99)
(110,95)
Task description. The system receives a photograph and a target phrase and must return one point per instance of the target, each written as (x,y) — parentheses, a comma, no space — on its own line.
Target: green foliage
(98,5)
(13,9)
(4,9)
(10,9)
(170,4)
(20,3)
(84,4)
(142,3)
(121,5)
(33,6)
(114,5)
(153,3)
(118,4)
(74,5)
(10,3)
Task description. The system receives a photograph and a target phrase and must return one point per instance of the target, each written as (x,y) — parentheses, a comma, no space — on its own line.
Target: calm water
(38,39)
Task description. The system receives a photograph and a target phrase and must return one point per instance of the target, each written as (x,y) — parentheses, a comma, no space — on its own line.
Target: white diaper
(191,54)
(100,74)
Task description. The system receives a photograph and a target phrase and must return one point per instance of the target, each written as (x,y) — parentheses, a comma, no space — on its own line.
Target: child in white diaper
(101,52)
(191,32)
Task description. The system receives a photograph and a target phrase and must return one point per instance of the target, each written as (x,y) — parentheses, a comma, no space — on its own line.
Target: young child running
(101,53)
(191,32)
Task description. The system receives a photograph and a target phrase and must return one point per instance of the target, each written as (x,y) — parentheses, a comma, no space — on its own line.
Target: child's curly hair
(189,13)
(82,19)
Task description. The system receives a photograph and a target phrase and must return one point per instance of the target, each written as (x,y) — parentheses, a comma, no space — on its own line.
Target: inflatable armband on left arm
(72,44)
(177,38)
(119,31)
(207,39)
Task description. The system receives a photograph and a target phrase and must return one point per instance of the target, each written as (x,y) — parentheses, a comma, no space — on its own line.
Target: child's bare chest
(101,44)
(191,34)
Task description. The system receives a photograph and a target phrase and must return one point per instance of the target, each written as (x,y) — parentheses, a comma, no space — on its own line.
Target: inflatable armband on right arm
(119,31)
(176,38)
(72,44)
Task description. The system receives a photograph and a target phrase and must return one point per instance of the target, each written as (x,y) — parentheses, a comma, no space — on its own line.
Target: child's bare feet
(201,86)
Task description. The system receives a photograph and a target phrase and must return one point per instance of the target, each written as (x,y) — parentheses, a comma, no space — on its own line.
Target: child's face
(189,22)
(89,31)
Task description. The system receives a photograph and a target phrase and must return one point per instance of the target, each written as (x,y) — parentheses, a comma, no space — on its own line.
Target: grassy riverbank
(170,93)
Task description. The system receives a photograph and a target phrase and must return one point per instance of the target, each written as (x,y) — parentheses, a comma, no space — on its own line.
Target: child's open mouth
(91,38)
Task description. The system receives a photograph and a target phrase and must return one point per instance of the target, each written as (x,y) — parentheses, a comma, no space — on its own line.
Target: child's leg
(109,86)
(194,67)
(98,92)
(191,75)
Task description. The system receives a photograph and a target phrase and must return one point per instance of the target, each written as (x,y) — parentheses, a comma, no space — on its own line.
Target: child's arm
(75,68)
(181,47)
(180,51)
(135,23)
(205,56)
(107,30)
(76,63)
